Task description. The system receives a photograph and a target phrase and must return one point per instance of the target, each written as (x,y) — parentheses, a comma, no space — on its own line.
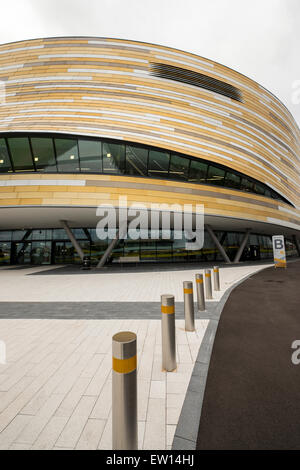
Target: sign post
(279,251)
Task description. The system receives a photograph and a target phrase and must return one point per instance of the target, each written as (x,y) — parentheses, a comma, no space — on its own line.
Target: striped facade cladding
(106,88)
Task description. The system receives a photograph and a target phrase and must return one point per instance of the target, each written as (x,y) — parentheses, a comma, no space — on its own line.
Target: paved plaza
(55,388)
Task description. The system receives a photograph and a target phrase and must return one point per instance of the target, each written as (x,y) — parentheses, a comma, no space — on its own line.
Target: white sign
(279,251)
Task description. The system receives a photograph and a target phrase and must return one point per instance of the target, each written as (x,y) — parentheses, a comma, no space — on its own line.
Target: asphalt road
(252,395)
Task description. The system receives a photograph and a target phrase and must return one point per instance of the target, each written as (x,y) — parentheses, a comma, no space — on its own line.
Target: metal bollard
(200,292)
(124,392)
(216,278)
(188,306)
(208,288)
(168,333)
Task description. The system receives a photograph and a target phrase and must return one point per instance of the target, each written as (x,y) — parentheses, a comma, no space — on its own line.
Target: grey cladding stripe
(281,123)
(196,192)
(271,136)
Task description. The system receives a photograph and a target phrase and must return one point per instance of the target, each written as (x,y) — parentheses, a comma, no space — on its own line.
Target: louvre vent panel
(200,80)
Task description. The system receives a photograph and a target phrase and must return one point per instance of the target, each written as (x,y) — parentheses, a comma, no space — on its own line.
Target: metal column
(218,244)
(72,239)
(111,246)
(241,248)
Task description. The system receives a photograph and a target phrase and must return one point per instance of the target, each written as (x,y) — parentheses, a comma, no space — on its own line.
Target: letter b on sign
(278,244)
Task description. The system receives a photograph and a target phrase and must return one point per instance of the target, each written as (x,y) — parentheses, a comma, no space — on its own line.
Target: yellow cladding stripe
(167,309)
(124,366)
(200,281)
(188,291)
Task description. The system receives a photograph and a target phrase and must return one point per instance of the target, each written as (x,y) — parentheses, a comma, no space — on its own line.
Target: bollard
(168,333)
(208,289)
(216,278)
(124,392)
(200,292)
(188,306)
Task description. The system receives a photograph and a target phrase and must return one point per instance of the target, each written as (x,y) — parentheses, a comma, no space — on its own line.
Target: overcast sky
(259,38)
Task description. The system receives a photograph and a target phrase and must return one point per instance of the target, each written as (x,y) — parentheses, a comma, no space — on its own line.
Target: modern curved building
(84,121)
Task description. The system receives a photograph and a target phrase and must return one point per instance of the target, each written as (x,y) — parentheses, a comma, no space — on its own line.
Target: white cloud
(260,39)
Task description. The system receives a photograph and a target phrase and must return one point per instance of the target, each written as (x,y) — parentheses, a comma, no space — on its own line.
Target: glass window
(21,234)
(113,158)
(90,155)
(21,154)
(5,250)
(179,167)
(43,154)
(246,185)
(259,189)
(5,235)
(198,172)
(158,164)
(136,160)
(5,165)
(215,176)
(232,180)
(59,234)
(67,155)
(41,234)
(275,195)
(268,192)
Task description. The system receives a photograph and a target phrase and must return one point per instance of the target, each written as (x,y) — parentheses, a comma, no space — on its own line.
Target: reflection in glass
(5,165)
(215,175)
(67,155)
(21,154)
(148,250)
(232,180)
(158,163)
(5,252)
(113,158)
(198,172)
(136,160)
(179,167)
(90,155)
(259,189)
(246,185)
(43,154)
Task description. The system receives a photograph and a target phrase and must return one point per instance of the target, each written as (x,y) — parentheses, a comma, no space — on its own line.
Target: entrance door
(63,253)
(31,252)
(21,253)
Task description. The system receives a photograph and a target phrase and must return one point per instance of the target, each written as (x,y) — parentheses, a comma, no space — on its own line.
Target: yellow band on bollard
(200,281)
(188,291)
(216,270)
(124,366)
(167,309)
(207,275)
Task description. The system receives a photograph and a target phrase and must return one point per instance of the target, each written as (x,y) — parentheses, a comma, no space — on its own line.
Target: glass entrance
(31,252)
(64,253)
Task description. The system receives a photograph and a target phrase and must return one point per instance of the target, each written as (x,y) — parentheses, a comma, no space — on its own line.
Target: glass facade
(52,246)
(71,154)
